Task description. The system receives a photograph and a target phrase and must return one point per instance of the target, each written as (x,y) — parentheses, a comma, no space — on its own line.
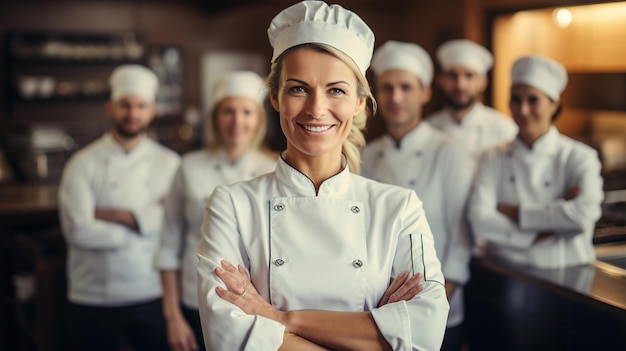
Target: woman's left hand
(402,288)
(241,292)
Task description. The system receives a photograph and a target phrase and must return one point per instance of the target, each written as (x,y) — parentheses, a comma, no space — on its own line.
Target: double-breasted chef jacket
(537,180)
(336,250)
(110,264)
(440,172)
(480,129)
(198,175)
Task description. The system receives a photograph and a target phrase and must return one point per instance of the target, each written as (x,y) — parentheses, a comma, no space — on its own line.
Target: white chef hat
(242,84)
(466,53)
(541,73)
(317,22)
(405,56)
(133,80)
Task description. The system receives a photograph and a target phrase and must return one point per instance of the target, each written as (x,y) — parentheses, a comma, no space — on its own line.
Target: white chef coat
(537,179)
(439,171)
(199,173)
(480,129)
(336,251)
(109,264)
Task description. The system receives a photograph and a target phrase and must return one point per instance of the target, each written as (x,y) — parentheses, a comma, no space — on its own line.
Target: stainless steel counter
(514,307)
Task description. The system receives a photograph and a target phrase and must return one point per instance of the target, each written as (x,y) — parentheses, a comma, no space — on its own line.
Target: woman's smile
(316,129)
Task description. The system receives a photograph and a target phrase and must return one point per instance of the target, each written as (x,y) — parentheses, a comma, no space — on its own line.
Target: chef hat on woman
(240,84)
(245,84)
(541,73)
(134,80)
(405,56)
(317,22)
(465,53)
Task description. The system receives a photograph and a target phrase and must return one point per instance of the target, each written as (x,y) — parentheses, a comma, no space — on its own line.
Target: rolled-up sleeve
(77,211)
(174,226)
(417,324)
(224,325)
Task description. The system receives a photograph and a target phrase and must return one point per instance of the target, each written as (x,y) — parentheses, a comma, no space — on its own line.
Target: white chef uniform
(198,175)
(435,167)
(337,251)
(480,129)
(537,180)
(110,264)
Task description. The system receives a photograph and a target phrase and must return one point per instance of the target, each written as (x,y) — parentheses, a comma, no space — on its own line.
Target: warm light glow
(562,17)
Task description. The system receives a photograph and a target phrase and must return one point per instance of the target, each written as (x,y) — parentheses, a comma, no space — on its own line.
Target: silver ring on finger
(244,293)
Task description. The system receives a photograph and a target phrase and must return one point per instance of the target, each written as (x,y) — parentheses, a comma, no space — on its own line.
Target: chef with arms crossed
(313,256)
(536,200)
(237,124)
(110,206)
(417,156)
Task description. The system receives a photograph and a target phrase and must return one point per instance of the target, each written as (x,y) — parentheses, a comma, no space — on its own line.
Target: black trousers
(141,326)
(193,318)
(453,339)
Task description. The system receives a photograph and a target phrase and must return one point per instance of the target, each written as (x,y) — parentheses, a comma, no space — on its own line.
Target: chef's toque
(405,56)
(240,84)
(317,22)
(134,80)
(464,53)
(541,73)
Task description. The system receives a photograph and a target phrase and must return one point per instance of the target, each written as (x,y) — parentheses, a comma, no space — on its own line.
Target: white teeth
(316,129)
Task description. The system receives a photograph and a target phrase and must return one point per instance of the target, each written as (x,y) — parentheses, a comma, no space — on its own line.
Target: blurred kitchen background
(57,55)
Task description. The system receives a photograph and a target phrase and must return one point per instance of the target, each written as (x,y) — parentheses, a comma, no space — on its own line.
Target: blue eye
(297,89)
(336,91)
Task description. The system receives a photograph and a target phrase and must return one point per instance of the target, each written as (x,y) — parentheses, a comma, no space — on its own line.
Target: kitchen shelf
(60,99)
(63,67)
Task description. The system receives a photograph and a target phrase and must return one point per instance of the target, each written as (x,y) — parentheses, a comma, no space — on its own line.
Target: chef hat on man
(240,84)
(405,56)
(541,73)
(133,80)
(465,53)
(317,22)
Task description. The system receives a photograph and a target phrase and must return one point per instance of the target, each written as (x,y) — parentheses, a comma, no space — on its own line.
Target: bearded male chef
(463,79)
(110,204)
(415,155)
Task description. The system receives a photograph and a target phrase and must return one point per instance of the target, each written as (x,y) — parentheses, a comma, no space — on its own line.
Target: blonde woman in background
(314,256)
(237,123)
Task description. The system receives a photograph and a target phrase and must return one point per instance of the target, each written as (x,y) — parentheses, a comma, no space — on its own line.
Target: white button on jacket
(537,180)
(480,129)
(440,172)
(108,263)
(319,252)
(199,173)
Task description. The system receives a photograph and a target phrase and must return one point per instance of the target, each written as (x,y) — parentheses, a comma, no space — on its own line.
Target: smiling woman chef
(536,200)
(317,245)
(237,126)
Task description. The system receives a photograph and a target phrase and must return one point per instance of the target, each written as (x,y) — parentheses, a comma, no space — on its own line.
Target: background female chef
(237,123)
(320,243)
(536,200)
(110,204)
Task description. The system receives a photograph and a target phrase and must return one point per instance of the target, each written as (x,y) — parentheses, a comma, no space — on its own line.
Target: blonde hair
(356,139)
(216,140)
